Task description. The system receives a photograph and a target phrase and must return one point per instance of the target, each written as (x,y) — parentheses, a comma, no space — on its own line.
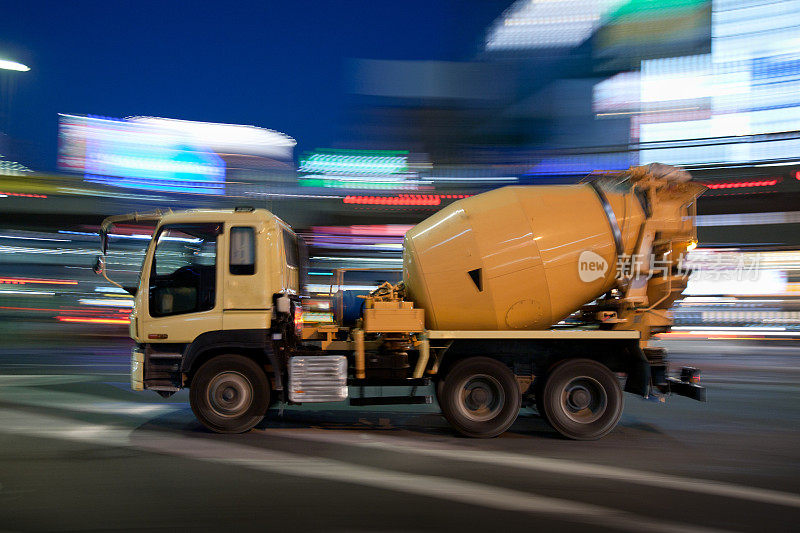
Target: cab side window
(243,251)
(290,247)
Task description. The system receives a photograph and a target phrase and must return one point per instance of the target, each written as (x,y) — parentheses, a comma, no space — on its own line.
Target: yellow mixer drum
(521,257)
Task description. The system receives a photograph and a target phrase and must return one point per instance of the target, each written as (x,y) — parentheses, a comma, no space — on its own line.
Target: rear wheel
(480,397)
(538,396)
(581,399)
(229,394)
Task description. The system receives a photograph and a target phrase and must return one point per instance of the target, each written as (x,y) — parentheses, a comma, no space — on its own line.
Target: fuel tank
(521,257)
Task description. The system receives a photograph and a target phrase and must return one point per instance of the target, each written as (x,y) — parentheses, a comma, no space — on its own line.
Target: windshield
(183,273)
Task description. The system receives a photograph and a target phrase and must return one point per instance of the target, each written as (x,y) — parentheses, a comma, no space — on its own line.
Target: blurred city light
(745,87)
(403,199)
(529,24)
(740,184)
(360,169)
(171,155)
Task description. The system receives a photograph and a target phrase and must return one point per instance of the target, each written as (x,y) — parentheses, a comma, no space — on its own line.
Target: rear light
(690,375)
(298,318)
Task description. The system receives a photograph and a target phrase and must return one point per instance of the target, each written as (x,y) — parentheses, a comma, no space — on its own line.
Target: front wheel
(480,397)
(581,399)
(229,394)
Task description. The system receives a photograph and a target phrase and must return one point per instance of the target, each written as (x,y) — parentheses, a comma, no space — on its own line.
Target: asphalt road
(79,451)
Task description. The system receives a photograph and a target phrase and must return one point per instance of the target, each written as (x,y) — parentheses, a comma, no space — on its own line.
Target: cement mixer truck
(517,297)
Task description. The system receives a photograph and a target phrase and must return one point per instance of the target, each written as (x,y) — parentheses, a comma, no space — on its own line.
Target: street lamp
(7,85)
(5,64)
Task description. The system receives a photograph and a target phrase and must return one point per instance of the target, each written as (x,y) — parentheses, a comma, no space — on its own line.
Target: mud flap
(685,388)
(639,374)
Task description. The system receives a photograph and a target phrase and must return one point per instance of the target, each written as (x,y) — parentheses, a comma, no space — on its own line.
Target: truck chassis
(573,377)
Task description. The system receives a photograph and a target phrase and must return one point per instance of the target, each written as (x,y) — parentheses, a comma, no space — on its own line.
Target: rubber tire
(450,395)
(553,410)
(538,395)
(439,388)
(260,390)
(538,389)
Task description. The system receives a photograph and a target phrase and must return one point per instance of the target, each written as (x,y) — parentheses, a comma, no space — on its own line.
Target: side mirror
(99,265)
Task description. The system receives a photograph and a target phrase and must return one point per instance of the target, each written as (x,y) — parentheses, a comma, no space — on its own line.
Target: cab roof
(221,215)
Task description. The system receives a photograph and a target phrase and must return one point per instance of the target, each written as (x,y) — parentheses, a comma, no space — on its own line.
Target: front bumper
(137,369)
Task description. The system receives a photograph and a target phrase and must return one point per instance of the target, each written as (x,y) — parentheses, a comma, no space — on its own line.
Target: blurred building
(562,88)
(12,168)
(174,155)
(557,89)
(739,103)
(526,96)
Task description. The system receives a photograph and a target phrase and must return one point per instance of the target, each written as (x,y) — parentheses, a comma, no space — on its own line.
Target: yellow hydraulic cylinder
(358,338)
(424,355)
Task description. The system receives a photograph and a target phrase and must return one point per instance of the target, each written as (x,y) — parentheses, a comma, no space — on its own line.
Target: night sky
(272,64)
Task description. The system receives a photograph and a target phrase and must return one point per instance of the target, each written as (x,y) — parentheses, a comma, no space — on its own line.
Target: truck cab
(200,271)
(214,283)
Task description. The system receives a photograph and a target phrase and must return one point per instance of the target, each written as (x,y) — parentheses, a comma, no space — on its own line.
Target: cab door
(247,301)
(184,283)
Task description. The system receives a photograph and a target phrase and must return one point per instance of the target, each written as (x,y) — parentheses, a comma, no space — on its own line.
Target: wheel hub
(479,396)
(584,400)
(579,398)
(482,398)
(230,394)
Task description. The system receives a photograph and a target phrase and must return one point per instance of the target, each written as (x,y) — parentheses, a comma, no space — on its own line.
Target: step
(392,400)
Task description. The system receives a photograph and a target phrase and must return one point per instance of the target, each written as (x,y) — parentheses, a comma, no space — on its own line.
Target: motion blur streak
(23,195)
(353,122)
(25,281)
(558,466)
(740,184)
(93,320)
(477,494)
(403,199)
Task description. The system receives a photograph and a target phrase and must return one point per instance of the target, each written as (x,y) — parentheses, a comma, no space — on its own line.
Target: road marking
(89,404)
(546,464)
(463,492)
(88,365)
(295,465)
(86,403)
(26,380)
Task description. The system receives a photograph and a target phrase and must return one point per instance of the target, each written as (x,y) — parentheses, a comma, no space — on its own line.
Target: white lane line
(546,464)
(79,377)
(477,494)
(22,380)
(88,403)
(85,403)
(87,365)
